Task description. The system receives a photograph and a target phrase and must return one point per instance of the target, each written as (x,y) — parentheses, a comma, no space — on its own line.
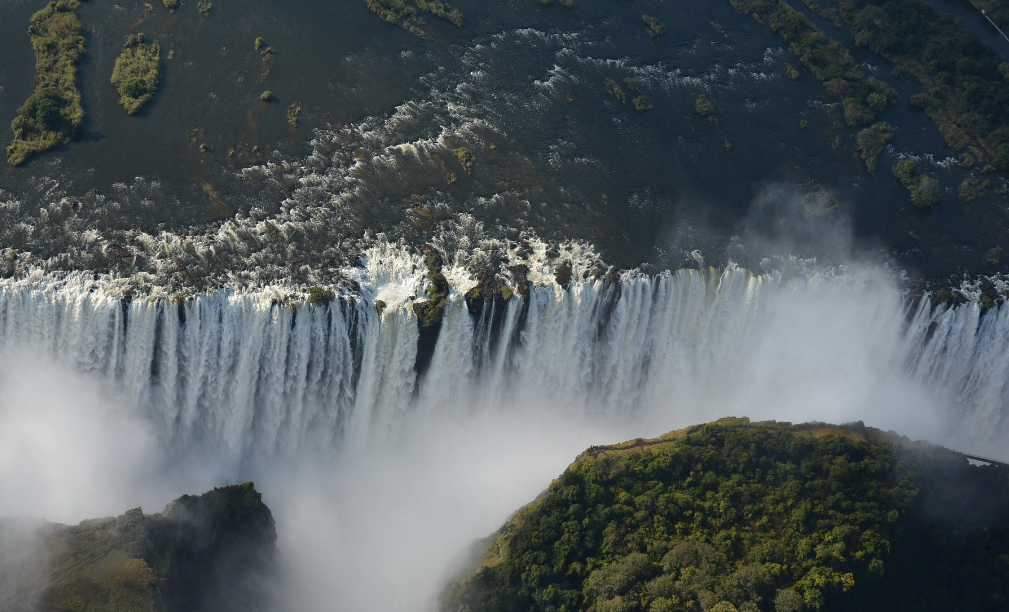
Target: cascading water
(257,373)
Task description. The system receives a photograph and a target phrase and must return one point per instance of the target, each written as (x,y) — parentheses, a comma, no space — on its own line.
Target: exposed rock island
(213,552)
(739,516)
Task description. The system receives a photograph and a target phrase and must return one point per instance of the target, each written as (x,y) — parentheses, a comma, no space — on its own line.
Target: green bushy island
(136,73)
(747,517)
(53,115)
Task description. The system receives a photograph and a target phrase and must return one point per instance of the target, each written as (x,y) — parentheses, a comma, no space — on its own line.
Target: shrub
(465,158)
(136,73)
(614,88)
(655,27)
(320,297)
(703,106)
(871,141)
(171,4)
(641,104)
(267,96)
(294,114)
(924,190)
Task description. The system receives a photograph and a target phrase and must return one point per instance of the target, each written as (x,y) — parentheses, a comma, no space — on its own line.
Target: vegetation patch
(972,189)
(431,311)
(871,141)
(819,201)
(203,8)
(404,12)
(294,114)
(614,89)
(924,190)
(704,108)
(741,517)
(641,104)
(828,60)
(171,4)
(136,73)
(655,27)
(966,90)
(996,10)
(465,158)
(320,297)
(53,115)
(267,96)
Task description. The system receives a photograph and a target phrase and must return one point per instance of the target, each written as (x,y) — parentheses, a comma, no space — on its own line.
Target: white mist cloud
(380,530)
(68,449)
(375,528)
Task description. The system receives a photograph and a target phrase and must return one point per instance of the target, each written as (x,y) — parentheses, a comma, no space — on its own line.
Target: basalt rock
(209,553)
(520,276)
(488,288)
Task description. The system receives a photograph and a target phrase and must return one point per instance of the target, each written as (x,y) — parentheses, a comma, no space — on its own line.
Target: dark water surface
(521,86)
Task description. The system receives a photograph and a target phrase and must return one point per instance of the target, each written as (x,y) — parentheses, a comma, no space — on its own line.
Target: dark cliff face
(213,552)
(221,550)
(741,517)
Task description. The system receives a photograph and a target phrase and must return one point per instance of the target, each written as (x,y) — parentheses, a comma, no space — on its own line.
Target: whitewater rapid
(264,372)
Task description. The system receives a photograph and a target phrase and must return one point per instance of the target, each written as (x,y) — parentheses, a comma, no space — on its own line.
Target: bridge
(984,459)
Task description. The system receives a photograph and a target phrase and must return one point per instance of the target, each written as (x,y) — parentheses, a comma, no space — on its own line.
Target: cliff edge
(213,552)
(735,516)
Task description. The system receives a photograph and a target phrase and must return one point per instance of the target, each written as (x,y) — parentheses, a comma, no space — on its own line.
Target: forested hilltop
(747,516)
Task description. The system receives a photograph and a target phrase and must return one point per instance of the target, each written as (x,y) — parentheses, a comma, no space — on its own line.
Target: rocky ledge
(213,552)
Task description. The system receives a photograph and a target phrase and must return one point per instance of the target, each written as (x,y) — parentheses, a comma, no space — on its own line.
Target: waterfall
(260,372)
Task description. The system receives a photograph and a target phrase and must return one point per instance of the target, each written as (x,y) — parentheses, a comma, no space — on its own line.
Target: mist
(380,524)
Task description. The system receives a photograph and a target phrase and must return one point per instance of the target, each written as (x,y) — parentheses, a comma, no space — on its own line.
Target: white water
(254,373)
(377,478)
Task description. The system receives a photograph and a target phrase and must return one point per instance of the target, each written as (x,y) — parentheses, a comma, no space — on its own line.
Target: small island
(136,73)
(53,115)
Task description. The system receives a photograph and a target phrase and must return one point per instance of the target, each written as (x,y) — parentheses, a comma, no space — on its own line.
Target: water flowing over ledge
(260,373)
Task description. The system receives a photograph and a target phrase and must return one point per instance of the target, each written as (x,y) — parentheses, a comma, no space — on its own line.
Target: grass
(53,115)
(136,73)
(871,141)
(924,190)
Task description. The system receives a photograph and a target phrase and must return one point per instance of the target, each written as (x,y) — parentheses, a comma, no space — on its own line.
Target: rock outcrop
(209,553)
